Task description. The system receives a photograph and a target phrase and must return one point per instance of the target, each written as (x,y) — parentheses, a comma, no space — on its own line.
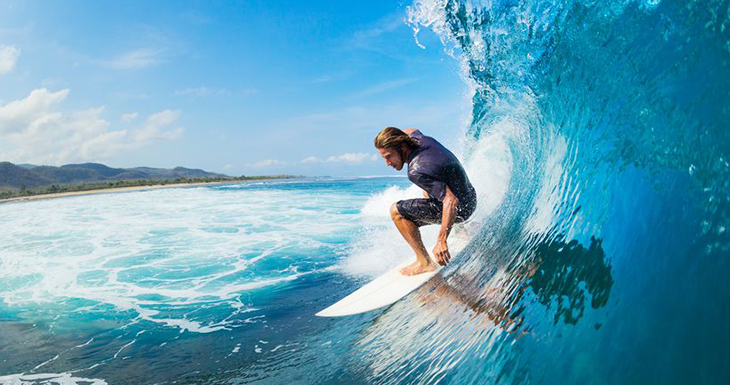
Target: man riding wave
(449,197)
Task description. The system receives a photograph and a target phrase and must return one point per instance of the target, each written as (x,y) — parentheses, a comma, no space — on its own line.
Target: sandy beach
(104,191)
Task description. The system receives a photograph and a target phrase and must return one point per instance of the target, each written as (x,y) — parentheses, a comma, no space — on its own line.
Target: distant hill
(17,177)
(27,176)
(176,172)
(98,168)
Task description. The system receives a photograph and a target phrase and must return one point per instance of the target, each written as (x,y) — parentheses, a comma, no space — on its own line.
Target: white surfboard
(383,291)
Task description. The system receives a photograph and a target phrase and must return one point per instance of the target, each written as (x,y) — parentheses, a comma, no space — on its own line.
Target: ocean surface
(599,253)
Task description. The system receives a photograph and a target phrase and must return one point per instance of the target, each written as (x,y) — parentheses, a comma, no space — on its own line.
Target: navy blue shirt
(432,167)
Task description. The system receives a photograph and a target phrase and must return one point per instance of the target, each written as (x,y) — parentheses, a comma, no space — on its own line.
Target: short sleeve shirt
(432,167)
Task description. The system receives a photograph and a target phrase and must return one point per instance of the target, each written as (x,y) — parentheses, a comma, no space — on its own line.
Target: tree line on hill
(27,179)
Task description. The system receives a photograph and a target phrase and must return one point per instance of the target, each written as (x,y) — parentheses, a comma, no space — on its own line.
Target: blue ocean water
(599,253)
(154,286)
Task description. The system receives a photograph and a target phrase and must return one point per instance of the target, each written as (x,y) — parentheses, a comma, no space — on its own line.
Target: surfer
(448,196)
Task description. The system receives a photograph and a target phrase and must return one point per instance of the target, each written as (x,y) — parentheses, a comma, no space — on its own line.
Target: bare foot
(416,268)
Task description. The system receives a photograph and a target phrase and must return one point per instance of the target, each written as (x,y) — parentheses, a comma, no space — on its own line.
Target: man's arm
(441,251)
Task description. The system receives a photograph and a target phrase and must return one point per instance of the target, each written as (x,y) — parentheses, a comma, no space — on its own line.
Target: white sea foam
(163,254)
(49,379)
(380,247)
(489,167)
(378,206)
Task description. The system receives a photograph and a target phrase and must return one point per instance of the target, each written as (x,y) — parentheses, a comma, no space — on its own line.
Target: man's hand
(441,253)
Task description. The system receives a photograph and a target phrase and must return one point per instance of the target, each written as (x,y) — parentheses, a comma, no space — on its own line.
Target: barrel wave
(599,253)
(606,260)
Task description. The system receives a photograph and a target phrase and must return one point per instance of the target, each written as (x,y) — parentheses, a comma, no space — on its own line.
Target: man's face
(392,157)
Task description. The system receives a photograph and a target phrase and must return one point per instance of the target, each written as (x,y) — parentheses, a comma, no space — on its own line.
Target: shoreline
(110,190)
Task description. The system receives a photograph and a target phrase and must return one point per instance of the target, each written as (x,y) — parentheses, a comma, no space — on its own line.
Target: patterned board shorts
(422,211)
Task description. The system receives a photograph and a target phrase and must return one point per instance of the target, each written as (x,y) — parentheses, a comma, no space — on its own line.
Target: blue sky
(254,87)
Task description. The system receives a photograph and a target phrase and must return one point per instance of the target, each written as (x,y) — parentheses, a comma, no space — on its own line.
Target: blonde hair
(392,137)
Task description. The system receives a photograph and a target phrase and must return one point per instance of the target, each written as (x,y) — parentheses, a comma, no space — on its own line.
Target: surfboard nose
(381,292)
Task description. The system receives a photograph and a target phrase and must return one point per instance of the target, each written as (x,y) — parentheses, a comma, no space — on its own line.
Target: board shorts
(429,211)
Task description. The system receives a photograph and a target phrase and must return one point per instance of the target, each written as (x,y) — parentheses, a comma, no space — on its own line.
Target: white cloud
(153,129)
(382,87)
(135,59)
(29,112)
(310,160)
(352,158)
(267,163)
(164,118)
(129,116)
(8,57)
(36,130)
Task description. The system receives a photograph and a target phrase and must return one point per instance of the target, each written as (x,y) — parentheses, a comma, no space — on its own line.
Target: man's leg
(412,235)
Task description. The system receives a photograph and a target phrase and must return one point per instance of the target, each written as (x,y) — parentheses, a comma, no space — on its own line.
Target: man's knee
(394,213)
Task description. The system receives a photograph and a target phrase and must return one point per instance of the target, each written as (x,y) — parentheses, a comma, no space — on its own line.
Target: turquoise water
(599,253)
(146,287)
(205,284)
